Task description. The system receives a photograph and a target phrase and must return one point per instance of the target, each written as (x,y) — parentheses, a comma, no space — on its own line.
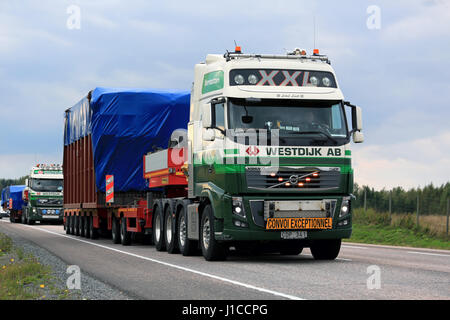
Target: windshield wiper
(314,132)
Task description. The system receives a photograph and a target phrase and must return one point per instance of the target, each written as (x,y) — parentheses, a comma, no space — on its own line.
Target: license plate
(298,223)
(294,234)
(50,217)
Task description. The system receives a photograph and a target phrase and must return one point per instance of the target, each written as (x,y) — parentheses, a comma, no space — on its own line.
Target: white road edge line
(249,286)
(354,247)
(430,254)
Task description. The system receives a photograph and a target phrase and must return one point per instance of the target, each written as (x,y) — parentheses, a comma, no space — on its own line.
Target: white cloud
(407,164)
(13,166)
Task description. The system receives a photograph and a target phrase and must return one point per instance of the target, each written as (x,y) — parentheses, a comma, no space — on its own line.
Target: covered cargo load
(14,193)
(109,132)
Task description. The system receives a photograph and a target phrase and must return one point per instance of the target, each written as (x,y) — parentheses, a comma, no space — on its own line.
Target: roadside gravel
(91,289)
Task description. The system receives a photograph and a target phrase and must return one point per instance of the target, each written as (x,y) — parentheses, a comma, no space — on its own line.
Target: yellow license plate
(298,223)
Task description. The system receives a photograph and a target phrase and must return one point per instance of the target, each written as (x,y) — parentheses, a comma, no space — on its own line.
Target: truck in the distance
(43,194)
(12,201)
(265,163)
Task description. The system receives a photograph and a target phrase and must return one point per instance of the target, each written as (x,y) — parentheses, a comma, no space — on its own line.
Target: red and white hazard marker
(109,189)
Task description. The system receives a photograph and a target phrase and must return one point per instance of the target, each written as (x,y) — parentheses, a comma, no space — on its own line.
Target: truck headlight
(34,210)
(238,207)
(345,207)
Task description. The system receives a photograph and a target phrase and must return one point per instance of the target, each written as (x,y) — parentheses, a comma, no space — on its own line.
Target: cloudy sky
(397,68)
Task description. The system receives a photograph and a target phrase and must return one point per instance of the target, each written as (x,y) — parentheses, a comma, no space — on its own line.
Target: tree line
(432,199)
(12,182)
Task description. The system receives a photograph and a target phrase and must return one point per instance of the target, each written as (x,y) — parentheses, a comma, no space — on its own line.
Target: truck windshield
(310,122)
(42,185)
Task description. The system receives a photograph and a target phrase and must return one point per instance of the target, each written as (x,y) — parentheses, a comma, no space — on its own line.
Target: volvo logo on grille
(293,179)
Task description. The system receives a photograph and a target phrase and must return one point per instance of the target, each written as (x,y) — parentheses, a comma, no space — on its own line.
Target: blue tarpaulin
(124,125)
(14,193)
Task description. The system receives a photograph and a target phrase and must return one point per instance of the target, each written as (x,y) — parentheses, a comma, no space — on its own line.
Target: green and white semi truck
(43,195)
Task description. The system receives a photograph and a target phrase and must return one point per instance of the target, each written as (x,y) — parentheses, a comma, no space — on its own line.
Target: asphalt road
(143,272)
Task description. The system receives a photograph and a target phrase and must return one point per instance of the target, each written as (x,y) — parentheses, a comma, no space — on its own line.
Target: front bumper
(45,214)
(254,224)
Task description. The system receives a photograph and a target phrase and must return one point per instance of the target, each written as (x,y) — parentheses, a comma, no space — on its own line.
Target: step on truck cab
(268,159)
(43,194)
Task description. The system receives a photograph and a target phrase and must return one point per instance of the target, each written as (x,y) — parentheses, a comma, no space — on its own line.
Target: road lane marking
(430,254)
(248,286)
(354,247)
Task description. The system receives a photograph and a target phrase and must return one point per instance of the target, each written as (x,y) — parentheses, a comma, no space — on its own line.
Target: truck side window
(219,115)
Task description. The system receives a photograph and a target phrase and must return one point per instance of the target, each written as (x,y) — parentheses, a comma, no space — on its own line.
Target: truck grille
(293,178)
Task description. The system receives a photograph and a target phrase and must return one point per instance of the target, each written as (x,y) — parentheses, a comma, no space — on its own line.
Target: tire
(115,230)
(30,222)
(170,232)
(82,229)
(66,225)
(87,229)
(325,249)
(187,247)
(23,218)
(71,225)
(158,230)
(92,231)
(212,250)
(125,236)
(77,225)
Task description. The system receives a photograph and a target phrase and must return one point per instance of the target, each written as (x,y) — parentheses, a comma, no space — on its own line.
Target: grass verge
(399,230)
(22,277)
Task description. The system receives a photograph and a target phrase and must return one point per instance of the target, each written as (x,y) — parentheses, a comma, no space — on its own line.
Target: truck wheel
(115,230)
(158,228)
(29,221)
(87,233)
(325,249)
(92,231)
(125,236)
(71,225)
(212,250)
(82,223)
(23,219)
(187,247)
(170,232)
(77,225)
(66,225)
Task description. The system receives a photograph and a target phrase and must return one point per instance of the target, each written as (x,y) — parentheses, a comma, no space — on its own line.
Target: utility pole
(390,205)
(448,206)
(365,199)
(417,222)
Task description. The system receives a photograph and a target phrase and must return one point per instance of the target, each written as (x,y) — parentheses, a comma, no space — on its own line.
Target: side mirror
(358,137)
(357,118)
(206,116)
(208,134)
(26,182)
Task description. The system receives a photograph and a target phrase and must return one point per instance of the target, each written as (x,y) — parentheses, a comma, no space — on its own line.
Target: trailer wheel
(125,236)
(82,228)
(158,228)
(87,229)
(325,249)
(170,232)
(115,230)
(71,225)
(77,225)
(212,250)
(92,230)
(187,247)
(66,225)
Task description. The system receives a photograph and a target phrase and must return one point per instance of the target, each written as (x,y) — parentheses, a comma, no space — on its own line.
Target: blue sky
(399,74)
